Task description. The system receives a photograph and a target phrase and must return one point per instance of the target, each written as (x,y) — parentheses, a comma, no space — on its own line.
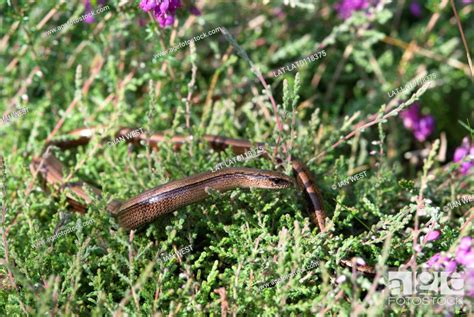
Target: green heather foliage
(240,239)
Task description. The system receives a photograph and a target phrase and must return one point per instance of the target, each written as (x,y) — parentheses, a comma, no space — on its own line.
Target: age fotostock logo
(422,288)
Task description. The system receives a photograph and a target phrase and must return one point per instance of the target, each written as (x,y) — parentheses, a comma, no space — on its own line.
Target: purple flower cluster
(88,8)
(415,9)
(421,126)
(165,10)
(345,8)
(465,252)
(433,235)
(464,257)
(438,262)
(465,150)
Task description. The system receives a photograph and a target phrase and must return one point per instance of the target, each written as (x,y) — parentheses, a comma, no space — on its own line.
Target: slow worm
(144,208)
(147,206)
(139,210)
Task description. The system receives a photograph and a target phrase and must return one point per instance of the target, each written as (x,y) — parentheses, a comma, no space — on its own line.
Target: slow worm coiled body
(147,206)
(52,173)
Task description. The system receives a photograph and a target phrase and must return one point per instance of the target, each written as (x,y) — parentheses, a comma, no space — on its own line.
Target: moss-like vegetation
(339,114)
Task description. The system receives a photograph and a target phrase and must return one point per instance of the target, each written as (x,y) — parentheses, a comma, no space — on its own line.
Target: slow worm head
(149,205)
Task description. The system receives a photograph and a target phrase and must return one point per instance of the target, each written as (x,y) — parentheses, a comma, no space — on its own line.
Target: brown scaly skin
(146,207)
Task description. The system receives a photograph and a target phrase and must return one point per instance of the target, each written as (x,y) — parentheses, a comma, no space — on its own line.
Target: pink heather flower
(278,12)
(420,126)
(469,283)
(88,9)
(465,244)
(345,8)
(341,279)
(437,262)
(195,11)
(466,149)
(464,252)
(433,235)
(147,5)
(464,257)
(411,116)
(434,260)
(415,9)
(164,11)
(425,127)
(449,266)
(468,260)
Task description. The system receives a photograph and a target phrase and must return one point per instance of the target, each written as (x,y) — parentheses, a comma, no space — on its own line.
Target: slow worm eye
(279,182)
